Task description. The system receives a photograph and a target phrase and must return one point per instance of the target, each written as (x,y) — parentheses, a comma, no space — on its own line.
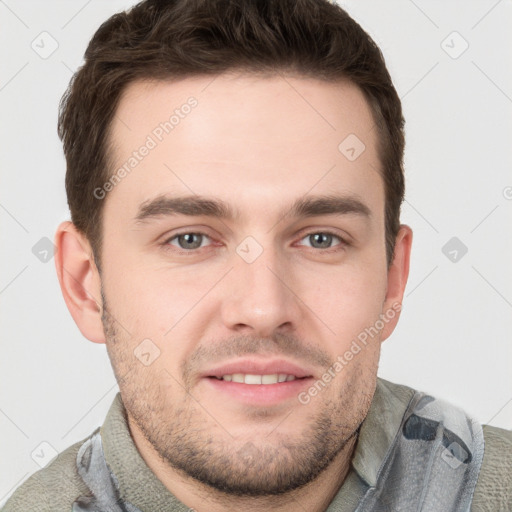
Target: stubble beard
(194,443)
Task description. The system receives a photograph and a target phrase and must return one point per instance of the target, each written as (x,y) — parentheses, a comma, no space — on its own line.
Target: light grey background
(453,339)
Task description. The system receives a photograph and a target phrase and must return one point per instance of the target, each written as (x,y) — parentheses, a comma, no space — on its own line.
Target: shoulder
(51,489)
(493,491)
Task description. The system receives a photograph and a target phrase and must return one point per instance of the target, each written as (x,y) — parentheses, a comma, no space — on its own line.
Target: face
(243,256)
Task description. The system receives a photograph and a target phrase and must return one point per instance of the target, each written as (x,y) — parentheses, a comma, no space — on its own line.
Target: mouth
(252,379)
(258,382)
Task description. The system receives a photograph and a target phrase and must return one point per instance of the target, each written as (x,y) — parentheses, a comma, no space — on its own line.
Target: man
(235,179)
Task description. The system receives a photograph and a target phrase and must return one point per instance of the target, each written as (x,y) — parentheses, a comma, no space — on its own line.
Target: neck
(314,496)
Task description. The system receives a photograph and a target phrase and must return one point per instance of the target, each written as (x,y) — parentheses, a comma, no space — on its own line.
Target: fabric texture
(59,485)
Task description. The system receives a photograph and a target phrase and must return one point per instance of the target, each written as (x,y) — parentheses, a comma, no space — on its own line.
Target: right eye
(188,241)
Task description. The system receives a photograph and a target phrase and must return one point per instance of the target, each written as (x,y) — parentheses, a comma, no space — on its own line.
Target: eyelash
(343,242)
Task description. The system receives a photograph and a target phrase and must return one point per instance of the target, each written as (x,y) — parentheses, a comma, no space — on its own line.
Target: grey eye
(321,240)
(189,240)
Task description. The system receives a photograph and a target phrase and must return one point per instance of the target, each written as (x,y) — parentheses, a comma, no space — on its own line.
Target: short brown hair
(173,39)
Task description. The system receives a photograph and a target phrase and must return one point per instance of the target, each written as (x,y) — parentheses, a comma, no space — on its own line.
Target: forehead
(243,137)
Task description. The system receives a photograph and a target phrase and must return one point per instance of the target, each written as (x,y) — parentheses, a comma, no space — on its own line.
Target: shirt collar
(379,429)
(137,483)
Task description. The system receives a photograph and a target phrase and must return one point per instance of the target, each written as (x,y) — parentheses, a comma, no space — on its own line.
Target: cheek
(345,301)
(158,303)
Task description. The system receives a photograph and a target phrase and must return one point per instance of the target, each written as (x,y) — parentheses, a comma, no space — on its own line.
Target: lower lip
(261,394)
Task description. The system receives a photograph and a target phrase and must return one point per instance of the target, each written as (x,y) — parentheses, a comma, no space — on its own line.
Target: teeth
(269,379)
(258,379)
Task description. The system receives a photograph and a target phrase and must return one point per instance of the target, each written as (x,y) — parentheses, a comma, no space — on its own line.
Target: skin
(258,144)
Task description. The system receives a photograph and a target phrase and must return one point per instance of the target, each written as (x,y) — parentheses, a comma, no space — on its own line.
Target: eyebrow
(307,206)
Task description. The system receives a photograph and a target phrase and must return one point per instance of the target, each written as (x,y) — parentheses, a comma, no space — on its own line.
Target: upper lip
(259,367)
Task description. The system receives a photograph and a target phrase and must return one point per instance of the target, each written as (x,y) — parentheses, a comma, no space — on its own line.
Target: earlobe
(397,279)
(79,281)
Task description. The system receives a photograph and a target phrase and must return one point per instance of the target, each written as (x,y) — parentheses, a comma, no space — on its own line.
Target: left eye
(322,240)
(188,240)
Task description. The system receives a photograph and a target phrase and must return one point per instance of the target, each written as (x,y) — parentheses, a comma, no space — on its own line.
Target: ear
(398,273)
(79,280)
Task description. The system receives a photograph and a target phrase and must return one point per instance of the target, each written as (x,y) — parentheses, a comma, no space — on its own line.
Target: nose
(259,297)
